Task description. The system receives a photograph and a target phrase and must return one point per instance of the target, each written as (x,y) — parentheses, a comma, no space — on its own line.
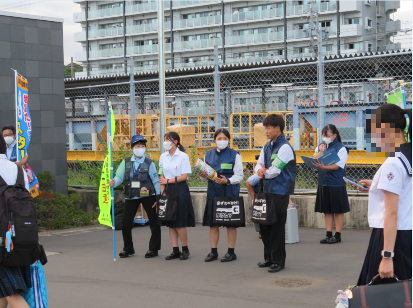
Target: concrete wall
(355,219)
(34,47)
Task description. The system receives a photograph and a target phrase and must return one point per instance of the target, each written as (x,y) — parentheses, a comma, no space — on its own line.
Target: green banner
(105,201)
(399,99)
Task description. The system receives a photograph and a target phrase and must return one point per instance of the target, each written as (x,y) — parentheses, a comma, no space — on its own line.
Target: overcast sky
(65,8)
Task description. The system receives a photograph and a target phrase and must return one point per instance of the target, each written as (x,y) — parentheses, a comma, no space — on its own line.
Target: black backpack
(18,215)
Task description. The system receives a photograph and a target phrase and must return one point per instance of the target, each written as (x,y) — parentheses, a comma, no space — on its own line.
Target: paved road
(81,271)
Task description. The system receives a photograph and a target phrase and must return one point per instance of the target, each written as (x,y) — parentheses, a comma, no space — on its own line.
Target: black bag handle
(378,276)
(224,190)
(166,187)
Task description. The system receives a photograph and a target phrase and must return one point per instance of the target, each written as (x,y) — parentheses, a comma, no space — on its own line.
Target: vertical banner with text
(24,129)
(399,98)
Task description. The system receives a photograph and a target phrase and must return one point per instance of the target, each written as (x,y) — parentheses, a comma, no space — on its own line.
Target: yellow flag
(105,201)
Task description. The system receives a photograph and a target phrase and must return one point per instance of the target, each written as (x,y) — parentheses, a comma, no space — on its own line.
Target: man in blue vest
(9,135)
(276,166)
(141,185)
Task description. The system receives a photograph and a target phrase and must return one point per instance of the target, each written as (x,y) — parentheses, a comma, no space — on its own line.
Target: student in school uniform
(390,198)
(332,198)
(140,180)
(228,164)
(17,279)
(277,167)
(174,166)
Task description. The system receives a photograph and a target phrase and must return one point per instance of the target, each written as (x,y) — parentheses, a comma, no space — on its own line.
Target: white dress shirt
(285,153)
(238,170)
(176,165)
(392,177)
(342,154)
(8,171)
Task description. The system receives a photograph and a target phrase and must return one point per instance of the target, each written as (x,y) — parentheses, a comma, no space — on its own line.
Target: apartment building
(245,31)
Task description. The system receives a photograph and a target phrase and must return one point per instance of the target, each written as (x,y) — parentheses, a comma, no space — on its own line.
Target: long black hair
(333,129)
(3,147)
(395,116)
(172,136)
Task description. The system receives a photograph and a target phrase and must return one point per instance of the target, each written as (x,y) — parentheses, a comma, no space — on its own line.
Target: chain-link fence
(247,94)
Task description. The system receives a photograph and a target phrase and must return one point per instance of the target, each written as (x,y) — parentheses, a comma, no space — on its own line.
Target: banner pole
(16,108)
(112,196)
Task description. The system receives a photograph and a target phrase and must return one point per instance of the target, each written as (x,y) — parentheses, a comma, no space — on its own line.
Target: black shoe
(184,255)
(125,254)
(334,240)
(151,254)
(275,268)
(264,263)
(173,256)
(211,257)
(229,258)
(325,240)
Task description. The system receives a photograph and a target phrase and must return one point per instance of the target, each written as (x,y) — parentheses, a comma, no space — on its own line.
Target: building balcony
(254,15)
(380,11)
(79,17)
(393,26)
(197,44)
(394,46)
(144,7)
(80,36)
(177,4)
(255,38)
(351,6)
(197,22)
(303,33)
(145,49)
(391,5)
(104,53)
(102,33)
(80,56)
(318,7)
(236,60)
(351,51)
(145,28)
(110,12)
(351,30)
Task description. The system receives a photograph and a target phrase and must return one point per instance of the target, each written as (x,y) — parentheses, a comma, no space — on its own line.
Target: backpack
(18,215)
(119,209)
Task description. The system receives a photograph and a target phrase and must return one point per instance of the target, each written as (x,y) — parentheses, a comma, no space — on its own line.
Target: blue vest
(332,178)
(282,184)
(218,160)
(13,157)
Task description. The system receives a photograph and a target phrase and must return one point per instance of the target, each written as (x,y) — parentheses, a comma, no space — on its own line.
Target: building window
(325,24)
(114,25)
(353,21)
(202,14)
(280,52)
(370,47)
(110,46)
(329,48)
(354,46)
(111,5)
(201,37)
(148,42)
(369,22)
(262,30)
(368,2)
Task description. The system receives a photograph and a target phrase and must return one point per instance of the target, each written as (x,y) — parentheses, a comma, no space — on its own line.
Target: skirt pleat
(14,280)
(332,200)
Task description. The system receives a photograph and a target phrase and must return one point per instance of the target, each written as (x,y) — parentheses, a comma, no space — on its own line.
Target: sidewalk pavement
(81,271)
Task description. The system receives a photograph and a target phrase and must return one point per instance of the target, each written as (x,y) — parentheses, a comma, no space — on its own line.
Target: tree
(76,68)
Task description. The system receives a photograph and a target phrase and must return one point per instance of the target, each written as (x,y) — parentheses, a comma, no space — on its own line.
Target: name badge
(226,166)
(136,184)
(144,191)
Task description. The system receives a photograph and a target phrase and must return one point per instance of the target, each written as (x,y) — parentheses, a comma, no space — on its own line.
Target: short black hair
(3,147)
(138,142)
(11,127)
(274,120)
(224,131)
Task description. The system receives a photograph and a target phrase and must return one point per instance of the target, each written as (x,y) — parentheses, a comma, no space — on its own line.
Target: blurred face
(329,135)
(139,146)
(384,136)
(172,142)
(221,137)
(272,132)
(8,133)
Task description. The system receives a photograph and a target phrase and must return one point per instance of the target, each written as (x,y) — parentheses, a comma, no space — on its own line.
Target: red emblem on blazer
(390,176)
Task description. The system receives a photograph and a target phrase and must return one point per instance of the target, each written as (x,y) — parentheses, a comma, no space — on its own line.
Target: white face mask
(222,144)
(327,140)
(9,139)
(139,152)
(167,145)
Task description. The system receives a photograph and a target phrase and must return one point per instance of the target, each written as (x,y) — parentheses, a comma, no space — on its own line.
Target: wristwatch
(387,254)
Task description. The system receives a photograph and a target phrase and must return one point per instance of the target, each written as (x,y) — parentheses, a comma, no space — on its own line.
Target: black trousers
(273,236)
(131,207)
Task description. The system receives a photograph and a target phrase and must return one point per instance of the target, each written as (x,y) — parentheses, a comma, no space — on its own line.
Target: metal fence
(246,95)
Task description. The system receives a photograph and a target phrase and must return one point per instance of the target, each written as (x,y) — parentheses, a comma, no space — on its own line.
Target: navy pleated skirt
(14,280)
(185,216)
(402,260)
(332,200)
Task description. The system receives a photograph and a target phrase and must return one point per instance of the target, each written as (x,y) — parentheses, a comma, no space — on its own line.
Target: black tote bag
(263,211)
(228,211)
(396,295)
(167,204)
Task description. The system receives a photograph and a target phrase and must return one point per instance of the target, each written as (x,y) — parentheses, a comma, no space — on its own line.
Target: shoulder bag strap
(20,176)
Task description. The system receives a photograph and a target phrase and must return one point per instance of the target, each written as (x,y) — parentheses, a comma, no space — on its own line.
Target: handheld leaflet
(355,183)
(201,165)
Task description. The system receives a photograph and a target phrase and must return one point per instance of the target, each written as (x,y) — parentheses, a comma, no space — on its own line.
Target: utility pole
(217,89)
(161,70)
(132,99)
(316,33)
(72,72)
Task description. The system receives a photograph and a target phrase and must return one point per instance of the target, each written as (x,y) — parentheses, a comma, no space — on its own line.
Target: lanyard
(136,170)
